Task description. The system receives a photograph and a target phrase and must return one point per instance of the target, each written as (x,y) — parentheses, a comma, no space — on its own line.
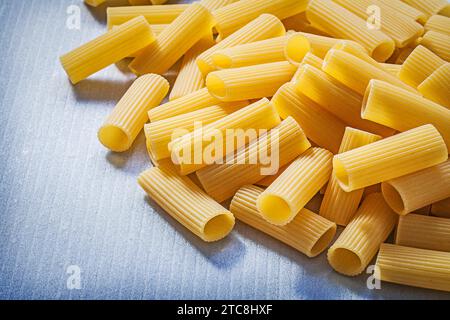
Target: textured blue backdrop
(65,200)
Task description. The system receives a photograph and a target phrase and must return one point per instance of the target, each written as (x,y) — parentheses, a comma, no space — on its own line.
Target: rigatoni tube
(356,73)
(94,3)
(361,239)
(187,203)
(411,192)
(130,114)
(308,233)
(175,40)
(428,7)
(439,24)
(250,82)
(107,49)
(211,143)
(437,42)
(260,158)
(413,267)
(323,128)
(212,5)
(411,110)
(405,9)
(390,158)
(234,16)
(190,78)
(265,26)
(296,186)
(341,23)
(153,14)
(436,86)
(423,232)
(337,205)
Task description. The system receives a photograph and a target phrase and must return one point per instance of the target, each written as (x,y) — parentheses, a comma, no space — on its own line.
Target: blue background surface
(65,200)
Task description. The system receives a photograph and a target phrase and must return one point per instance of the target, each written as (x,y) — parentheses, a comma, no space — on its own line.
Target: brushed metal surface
(66,201)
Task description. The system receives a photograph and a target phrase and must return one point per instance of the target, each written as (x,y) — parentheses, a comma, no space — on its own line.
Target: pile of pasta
(361,116)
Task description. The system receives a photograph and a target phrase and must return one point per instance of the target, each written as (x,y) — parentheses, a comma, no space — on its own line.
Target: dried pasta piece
(437,42)
(439,24)
(428,7)
(405,9)
(441,208)
(94,3)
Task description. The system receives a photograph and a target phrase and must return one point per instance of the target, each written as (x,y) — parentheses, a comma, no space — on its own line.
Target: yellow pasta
(439,24)
(356,73)
(419,65)
(191,102)
(94,3)
(410,110)
(320,126)
(428,7)
(405,9)
(266,26)
(337,205)
(156,2)
(361,239)
(139,2)
(130,114)
(234,16)
(160,133)
(187,203)
(401,29)
(295,187)
(290,47)
(437,42)
(390,158)
(337,99)
(190,78)
(309,59)
(153,14)
(416,190)
(357,50)
(413,267)
(403,55)
(268,180)
(211,143)
(340,23)
(441,208)
(393,69)
(423,232)
(107,49)
(212,5)
(308,233)
(251,82)
(174,41)
(261,158)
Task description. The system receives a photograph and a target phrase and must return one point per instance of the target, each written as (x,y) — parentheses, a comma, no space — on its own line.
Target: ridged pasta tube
(337,205)
(361,239)
(257,160)
(212,5)
(411,110)
(390,158)
(130,114)
(419,65)
(234,16)
(437,42)
(413,267)
(423,232)
(190,78)
(250,82)
(309,59)
(187,203)
(439,24)
(356,73)
(174,41)
(153,14)
(211,143)
(441,208)
(405,9)
(295,187)
(393,69)
(428,7)
(419,189)
(308,233)
(107,49)
(191,102)
(336,98)
(323,128)
(265,26)
(341,23)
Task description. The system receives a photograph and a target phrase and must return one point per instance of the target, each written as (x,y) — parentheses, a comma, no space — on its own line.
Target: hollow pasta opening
(218,227)
(383,51)
(341,174)
(114,138)
(345,261)
(393,198)
(296,48)
(367,97)
(222,61)
(323,241)
(204,67)
(216,86)
(274,209)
